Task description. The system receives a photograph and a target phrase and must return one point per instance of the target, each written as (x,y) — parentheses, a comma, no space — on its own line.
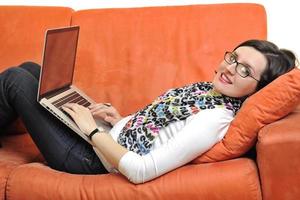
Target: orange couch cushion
(22,31)
(16,150)
(271,103)
(233,179)
(130,56)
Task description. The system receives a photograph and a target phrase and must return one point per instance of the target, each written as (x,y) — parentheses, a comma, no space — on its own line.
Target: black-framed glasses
(240,68)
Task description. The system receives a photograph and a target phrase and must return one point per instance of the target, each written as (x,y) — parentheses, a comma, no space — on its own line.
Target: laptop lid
(58,60)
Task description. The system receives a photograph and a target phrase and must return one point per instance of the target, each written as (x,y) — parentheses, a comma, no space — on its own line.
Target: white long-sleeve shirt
(177,144)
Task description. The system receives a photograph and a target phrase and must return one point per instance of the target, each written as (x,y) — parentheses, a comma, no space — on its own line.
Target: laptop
(56,86)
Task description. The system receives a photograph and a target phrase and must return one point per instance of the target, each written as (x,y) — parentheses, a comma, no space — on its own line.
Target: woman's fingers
(73,108)
(69,111)
(103,111)
(100,111)
(99,106)
(99,114)
(81,115)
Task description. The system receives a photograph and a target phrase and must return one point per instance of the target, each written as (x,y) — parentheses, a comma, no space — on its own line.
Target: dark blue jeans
(63,149)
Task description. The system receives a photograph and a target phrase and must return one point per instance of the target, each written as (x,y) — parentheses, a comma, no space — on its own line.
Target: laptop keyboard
(73,97)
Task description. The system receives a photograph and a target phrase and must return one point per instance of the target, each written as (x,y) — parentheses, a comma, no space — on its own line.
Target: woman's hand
(110,149)
(82,117)
(105,112)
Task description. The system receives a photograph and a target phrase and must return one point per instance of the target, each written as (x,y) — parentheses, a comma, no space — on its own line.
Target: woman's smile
(224,79)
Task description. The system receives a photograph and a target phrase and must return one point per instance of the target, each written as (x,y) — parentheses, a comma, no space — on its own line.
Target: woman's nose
(231,68)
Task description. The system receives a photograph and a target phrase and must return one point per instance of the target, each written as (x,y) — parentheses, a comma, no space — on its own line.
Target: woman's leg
(33,68)
(62,148)
(8,114)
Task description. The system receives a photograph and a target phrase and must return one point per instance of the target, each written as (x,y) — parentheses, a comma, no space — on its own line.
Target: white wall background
(283,23)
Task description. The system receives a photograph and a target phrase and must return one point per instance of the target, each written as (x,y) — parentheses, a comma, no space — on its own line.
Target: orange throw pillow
(268,105)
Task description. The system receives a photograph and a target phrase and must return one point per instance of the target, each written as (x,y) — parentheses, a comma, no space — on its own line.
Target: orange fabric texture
(206,181)
(130,56)
(23,30)
(278,144)
(268,105)
(16,150)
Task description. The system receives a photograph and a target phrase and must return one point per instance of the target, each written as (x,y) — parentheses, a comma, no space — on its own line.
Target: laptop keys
(73,97)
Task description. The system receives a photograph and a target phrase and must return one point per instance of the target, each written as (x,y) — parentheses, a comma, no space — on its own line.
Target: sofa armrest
(278,158)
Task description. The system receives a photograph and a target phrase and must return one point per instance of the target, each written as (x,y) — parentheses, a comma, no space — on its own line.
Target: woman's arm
(110,149)
(203,131)
(200,134)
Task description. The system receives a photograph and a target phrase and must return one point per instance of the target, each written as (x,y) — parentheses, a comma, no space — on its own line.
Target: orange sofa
(129,56)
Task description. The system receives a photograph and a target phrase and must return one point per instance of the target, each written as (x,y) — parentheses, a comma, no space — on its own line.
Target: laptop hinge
(53,93)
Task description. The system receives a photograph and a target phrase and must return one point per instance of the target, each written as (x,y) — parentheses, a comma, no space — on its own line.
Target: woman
(176,128)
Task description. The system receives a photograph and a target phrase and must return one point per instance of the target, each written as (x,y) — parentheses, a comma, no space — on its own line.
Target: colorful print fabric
(139,134)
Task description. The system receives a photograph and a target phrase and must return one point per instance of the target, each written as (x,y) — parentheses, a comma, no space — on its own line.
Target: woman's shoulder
(220,114)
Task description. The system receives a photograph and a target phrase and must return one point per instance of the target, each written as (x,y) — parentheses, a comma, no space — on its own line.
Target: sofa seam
(263,131)
(8,180)
(251,167)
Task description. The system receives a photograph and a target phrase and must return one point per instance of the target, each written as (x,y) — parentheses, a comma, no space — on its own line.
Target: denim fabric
(63,149)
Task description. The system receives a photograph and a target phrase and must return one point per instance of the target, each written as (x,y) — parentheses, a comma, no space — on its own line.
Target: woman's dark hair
(279,61)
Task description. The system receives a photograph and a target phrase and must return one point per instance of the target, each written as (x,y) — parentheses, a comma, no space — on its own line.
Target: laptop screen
(58,59)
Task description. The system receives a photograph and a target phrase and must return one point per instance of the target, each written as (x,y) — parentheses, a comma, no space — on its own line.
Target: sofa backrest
(22,31)
(129,56)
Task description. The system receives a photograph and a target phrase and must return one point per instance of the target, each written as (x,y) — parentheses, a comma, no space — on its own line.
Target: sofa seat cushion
(232,179)
(16,150)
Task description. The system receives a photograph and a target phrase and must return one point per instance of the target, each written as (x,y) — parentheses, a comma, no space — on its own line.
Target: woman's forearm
(110,149)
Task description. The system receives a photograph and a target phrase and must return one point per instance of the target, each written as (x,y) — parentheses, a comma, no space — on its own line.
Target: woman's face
(228,82)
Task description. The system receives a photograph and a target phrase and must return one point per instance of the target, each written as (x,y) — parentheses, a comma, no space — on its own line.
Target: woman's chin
(223,89)
(219,87)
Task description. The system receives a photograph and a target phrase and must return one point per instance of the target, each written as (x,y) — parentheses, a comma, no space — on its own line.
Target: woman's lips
(224,79)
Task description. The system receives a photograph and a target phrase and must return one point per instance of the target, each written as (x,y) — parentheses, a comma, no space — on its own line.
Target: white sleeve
(204,130)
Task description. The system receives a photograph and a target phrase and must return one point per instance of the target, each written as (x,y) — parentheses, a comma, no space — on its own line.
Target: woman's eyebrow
(246,64)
